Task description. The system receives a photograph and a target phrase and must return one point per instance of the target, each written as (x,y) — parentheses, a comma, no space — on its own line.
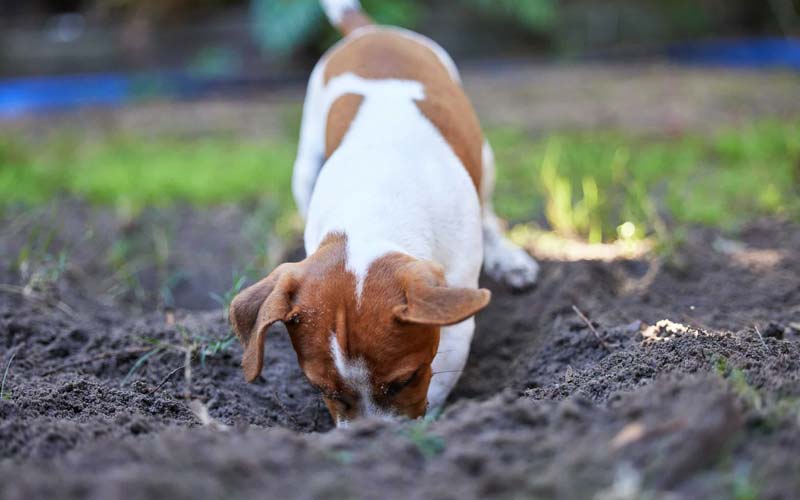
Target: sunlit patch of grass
(592,185)
(551,245)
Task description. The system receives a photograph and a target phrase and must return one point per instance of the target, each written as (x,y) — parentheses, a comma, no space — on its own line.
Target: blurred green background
(596,180)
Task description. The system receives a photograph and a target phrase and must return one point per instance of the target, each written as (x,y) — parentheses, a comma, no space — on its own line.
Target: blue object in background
(753,53)
(24,95)
(19,96)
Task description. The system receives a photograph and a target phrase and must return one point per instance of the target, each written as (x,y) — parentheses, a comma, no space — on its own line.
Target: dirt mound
(621,404)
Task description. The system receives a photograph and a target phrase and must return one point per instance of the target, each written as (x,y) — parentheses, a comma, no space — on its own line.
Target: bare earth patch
(699,406)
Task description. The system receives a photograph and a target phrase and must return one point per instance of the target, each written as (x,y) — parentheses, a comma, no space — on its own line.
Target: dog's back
(382,53)
(399,145)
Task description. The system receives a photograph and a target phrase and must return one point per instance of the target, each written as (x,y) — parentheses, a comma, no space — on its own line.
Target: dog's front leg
(449,362)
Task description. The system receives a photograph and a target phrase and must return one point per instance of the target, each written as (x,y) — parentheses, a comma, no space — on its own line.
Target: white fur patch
(336,9)
(361,255)
(355,374)
(449,362)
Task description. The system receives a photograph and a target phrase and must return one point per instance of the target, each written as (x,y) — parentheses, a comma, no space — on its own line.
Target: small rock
(775,331)
(728,247)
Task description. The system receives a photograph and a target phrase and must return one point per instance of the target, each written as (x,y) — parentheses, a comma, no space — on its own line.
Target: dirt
(700,406)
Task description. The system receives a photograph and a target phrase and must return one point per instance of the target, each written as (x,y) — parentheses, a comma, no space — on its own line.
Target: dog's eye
(393,388)
(343,399)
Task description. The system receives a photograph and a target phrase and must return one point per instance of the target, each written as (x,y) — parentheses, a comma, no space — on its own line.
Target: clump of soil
(703,405)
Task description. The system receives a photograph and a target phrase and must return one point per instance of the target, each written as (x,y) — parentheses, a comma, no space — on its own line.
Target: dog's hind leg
(502,260)
(311,146)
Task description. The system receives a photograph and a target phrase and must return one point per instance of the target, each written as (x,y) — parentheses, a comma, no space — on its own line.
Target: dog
(394,179)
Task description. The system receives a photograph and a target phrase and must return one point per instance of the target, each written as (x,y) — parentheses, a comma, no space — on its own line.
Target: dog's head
(368,346)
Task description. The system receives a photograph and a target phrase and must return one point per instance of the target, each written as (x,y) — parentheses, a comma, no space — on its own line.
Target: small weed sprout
(40,269)
(3,394)
(738,382)
(341,457)
(141,361)
(744,488)
(40,266)
(226,298)
(124,280)
(428,444)
(193,345)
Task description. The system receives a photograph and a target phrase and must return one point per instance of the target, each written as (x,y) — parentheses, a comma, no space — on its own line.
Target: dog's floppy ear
(429,301)
(254,309)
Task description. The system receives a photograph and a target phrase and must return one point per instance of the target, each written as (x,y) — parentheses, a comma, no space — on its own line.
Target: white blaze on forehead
(360,257)
(356,376)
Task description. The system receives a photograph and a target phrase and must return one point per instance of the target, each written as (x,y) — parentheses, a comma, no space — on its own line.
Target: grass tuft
(429,445)
(3,394)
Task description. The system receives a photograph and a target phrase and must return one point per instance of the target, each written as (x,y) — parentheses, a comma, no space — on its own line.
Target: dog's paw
(511,265)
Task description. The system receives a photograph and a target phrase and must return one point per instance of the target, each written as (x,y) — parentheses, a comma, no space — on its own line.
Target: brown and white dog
(394,178)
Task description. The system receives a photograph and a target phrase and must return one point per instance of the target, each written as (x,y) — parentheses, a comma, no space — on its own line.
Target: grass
(226,298)
(590,185)
(39,265)
(774,410)
(192,345)
(131,172)
(737,380)
(599,186)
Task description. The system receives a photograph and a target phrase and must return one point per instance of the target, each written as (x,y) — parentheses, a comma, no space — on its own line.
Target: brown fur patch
(394,330)
(326,303)
(383,54)
(352,20)
(341,114)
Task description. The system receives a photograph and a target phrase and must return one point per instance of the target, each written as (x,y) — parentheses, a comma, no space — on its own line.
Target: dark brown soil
(703,407)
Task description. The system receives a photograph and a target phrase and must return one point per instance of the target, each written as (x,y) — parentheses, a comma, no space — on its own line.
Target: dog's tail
(345,15)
